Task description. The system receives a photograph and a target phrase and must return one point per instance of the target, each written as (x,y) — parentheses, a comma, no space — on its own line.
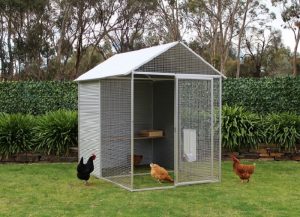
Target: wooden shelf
(149,137)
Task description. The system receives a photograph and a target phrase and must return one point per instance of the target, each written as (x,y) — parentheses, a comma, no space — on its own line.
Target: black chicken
(84,170)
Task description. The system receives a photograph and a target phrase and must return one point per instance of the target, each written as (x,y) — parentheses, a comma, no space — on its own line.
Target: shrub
(283,130)
(56,132)
(16,134)
(240,129)
(264,95)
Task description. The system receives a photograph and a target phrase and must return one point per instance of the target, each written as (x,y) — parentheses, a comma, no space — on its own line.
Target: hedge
(37,97)
(264,95)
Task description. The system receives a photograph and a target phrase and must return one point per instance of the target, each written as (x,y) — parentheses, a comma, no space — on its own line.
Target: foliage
(240,129)
(263,95)
(282,130)
(16,134)
(37,97)
(56,132)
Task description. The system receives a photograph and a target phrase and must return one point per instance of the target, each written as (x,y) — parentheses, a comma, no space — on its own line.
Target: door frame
(177,123)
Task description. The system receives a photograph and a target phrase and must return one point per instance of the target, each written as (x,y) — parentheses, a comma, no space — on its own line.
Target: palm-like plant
(240,129)
(16,133)
(56,132)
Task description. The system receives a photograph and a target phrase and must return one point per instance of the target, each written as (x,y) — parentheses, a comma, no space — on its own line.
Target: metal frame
(79,123)
(191,76)
(220,129)
(212,127)
(177,123)
(132,131)
(176,131)
(177,77)
(100,166)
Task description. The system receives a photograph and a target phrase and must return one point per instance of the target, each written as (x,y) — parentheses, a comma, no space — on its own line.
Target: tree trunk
(60,41)
(295,53)
(238,62)
(81,27)
(241,33)
(11,59)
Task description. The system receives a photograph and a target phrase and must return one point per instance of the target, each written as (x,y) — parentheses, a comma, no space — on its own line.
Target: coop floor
(141,179)
(189,172)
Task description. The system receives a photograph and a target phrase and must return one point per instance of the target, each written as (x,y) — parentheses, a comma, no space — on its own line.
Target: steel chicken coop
(167,90)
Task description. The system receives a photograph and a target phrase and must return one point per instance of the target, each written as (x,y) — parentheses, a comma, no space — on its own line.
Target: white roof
(125,63)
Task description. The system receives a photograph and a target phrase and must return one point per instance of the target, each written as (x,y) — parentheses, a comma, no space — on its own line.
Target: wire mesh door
(194,115)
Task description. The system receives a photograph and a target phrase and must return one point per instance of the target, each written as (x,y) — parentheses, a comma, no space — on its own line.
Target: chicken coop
(157,105)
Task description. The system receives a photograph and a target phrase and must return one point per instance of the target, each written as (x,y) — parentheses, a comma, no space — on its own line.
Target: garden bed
(37,158)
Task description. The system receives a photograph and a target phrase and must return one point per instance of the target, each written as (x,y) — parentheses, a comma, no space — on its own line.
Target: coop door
(193,131)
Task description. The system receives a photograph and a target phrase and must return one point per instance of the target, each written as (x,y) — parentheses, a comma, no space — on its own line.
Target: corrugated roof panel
(124,63)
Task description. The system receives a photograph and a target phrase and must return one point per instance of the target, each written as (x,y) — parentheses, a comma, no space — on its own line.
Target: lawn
(53,190)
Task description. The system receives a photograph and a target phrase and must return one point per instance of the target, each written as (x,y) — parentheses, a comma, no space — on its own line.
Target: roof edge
(143,63)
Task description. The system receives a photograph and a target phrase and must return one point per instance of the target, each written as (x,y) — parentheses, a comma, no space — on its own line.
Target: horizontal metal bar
(119,176)
(120,185)
(154,188)
(155,79)
(179,75)
(196,182)
(195,77)
(154,73)
(139,174)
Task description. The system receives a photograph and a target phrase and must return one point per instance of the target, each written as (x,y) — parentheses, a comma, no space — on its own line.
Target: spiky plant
(57,132)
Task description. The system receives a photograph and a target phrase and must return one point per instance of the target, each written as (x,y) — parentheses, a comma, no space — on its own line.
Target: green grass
(53,190)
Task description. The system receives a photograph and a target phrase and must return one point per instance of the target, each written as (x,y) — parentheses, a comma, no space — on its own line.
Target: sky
(287,34)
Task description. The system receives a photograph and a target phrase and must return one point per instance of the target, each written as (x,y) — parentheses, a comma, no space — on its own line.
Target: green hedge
(263,95)
(37,97)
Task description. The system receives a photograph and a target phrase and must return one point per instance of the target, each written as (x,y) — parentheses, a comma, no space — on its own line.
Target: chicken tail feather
(170,179)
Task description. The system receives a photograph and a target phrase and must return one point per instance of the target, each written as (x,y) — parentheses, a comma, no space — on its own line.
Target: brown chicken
(242,170)
(160,173)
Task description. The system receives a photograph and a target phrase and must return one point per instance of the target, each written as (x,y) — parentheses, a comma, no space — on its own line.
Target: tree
(257,44)
(215,22)
(251,12)
(291,16)
(133,19)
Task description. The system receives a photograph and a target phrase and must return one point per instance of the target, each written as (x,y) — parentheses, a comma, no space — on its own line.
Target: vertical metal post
(212,127)
(176,162)
(132,130)
(78,98)
(220,128)
(100,153)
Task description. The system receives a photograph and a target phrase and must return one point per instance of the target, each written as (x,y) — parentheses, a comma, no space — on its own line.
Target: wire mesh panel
(195,147)
(116,131)
(89,122)
(179,59)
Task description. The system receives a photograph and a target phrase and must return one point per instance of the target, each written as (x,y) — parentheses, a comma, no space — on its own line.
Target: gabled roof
(125,63)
